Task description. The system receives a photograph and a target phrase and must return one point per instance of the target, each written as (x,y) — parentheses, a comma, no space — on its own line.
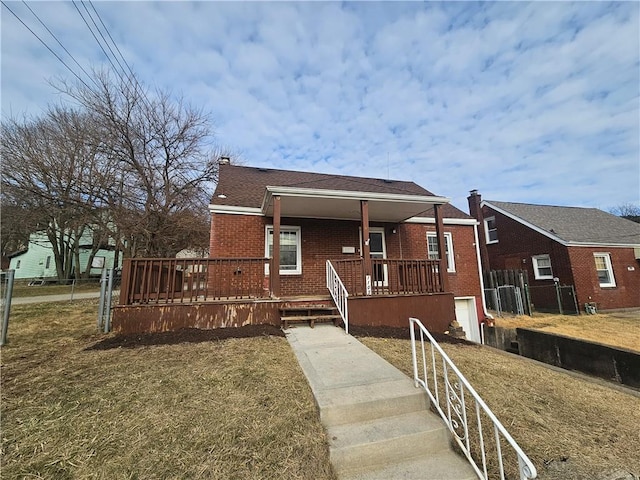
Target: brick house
(596,252)
(323,217)
(377,251)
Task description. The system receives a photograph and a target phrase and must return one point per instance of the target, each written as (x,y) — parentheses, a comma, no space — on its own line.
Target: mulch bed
(194,335)
(185,335)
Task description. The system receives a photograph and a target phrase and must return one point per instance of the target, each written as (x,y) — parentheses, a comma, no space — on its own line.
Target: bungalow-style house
(596,252)
(370,248)
(37,262)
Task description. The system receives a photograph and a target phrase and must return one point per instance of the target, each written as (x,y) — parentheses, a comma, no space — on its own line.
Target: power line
(130,78)
(111,38)
(101,35)
(59,42)
(45,44)
(96,39)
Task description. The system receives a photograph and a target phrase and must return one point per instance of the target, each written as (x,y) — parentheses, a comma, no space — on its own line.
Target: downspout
(484,302)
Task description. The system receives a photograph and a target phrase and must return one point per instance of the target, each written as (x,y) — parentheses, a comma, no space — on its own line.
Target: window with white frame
(490,229)
(432,248)
(604,269)
(290,249)
(542,267)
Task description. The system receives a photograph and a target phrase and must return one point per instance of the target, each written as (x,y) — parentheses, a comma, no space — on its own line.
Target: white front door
(378,249)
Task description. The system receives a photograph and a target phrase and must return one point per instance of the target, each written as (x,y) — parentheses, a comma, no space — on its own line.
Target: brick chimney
(475,210)
(474,200)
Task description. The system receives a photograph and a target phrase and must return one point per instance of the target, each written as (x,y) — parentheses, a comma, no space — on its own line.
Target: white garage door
(468,317)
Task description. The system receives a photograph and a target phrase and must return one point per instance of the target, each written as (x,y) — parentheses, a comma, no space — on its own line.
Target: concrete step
(442,465)
(378,424)
(385,440)
(370,401)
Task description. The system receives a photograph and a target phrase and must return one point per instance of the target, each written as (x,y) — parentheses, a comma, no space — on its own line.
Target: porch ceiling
(345,205)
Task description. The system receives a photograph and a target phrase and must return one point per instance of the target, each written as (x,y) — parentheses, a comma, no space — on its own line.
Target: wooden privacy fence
(187,280)
(390,276)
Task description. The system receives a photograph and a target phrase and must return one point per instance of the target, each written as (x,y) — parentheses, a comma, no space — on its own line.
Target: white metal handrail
(455,404)
(338,293)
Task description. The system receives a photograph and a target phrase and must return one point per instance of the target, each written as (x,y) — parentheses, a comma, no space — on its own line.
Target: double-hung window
(542,267)
(290,249)
(432,248)
(491,230)
(604,269)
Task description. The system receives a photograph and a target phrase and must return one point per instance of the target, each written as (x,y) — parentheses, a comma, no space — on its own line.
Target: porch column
(366,249)
(275,263)
(442,252)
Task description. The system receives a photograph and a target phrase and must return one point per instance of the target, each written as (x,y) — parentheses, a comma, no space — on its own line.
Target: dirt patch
(195,335)
(185,335)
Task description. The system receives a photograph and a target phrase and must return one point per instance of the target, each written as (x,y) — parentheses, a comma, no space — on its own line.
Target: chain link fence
(41,290)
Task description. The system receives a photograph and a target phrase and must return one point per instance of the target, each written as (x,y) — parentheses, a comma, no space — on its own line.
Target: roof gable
(572,225)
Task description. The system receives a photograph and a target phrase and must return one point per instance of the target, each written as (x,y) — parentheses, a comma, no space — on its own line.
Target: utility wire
(131,77)
(59,43)
(111,38)
(101,35)
(45,44)
(96,39)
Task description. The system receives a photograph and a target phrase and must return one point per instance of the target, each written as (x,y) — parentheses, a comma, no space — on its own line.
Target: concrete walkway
(378,424)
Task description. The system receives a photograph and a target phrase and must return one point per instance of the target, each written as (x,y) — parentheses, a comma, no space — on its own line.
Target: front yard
(240,408)
(233,409)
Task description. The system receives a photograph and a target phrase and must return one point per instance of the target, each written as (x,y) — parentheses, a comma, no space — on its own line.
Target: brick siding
(517,244)
(244,236)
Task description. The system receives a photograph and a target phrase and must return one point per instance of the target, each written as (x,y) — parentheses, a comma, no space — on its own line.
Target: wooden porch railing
(187,280)
(391,276)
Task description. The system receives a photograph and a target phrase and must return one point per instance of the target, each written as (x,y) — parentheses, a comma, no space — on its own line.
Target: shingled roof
(574,224)
(245,186)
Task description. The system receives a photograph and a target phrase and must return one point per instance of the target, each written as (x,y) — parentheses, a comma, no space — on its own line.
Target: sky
(525,102)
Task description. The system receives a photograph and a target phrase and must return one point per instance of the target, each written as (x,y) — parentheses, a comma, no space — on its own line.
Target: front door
(377,248)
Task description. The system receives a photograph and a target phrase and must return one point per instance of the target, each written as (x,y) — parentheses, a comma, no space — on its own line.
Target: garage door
(468,318)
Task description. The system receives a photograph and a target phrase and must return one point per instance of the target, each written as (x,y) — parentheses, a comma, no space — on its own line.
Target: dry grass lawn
(232,409)
(570,428)
(616,329)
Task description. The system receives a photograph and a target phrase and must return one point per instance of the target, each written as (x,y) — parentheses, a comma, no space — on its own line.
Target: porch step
(310,314)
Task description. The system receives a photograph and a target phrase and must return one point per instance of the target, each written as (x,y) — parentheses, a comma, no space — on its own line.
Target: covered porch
(214,292)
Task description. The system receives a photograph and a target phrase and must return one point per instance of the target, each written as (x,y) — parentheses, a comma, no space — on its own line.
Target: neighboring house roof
(572,225)
(245,187)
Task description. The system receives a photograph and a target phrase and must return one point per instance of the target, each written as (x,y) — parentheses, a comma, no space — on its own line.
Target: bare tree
(628,211)
(53,170)
(165,156)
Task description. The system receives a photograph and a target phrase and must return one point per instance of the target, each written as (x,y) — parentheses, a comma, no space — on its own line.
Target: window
(604,269)
(542,267)
(432,247)
(18,264)
(490,229)
(290,251)
(48,262)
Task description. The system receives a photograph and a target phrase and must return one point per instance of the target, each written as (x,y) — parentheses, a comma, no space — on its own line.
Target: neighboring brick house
(322,217)
(596,252)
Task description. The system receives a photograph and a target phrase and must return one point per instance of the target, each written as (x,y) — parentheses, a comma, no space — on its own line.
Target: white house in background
(38,260)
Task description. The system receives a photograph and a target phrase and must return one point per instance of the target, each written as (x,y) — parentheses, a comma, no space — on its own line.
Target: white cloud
(525,101)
